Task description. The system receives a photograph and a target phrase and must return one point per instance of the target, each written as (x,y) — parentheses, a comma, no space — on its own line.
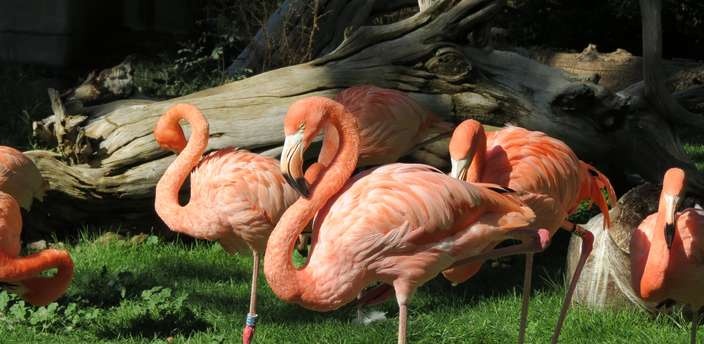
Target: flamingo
(20,178)
(236,196)
(667,252)
(20,181)
(400,224)
(554,180)
(391,124)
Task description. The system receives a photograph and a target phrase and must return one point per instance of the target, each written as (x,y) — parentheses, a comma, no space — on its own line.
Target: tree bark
(425,55)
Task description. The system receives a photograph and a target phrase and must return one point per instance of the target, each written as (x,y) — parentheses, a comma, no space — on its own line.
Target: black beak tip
(669,234)
(302,187)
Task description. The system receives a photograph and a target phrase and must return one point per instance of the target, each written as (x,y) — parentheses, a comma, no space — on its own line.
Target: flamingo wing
(20,178)
(390,124)
(245,190)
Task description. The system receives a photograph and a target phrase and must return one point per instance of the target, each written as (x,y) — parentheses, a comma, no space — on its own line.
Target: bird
(20,178)
(399,224)
(667,252)
(391,124)
(20,183)
(236,197)
(552,180)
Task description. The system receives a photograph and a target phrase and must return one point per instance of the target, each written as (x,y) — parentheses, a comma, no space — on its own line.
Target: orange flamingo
(236,196)
(554,180)
(667,252)
(391,124)
(20,180)
(400,224)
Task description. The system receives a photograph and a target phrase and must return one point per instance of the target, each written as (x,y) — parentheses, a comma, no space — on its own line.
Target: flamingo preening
(667,252)
(553,179)
(236,196)
(20,182)
(400,224)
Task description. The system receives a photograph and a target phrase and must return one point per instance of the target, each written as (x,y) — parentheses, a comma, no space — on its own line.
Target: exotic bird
(20,178)
(391,124)
(20,182)
(667,252)
(400,224)
(236,196)
(552,180)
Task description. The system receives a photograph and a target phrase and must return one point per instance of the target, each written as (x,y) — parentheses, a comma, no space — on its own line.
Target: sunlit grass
(110,278)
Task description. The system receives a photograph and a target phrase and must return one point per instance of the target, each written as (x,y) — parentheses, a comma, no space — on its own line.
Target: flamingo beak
(459,168)
(671,203)
(292,163)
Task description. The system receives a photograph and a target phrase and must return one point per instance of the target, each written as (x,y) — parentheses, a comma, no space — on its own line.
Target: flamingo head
(673,189)
(304,120)
(169,134)
(466,138)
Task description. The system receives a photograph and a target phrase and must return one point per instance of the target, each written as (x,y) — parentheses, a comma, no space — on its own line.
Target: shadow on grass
(185,323)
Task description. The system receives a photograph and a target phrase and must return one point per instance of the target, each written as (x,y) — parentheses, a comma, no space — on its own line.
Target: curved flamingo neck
(476,166)
(287,282)
(657,262)
(38,290)
(166,200)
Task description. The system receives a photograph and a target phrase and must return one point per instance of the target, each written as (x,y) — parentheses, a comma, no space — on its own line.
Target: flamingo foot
(248,331)
(587,245)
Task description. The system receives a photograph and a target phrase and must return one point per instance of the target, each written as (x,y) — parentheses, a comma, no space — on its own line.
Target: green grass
(209,291)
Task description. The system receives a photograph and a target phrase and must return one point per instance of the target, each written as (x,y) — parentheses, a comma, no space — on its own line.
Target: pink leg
(587,243)
(531,241)
(403,294)
(527,279)
(696,317)
(251,323)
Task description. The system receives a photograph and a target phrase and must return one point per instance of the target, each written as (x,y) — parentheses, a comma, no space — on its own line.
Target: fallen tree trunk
(426,55)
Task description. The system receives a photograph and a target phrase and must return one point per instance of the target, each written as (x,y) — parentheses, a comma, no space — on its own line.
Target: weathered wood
(424,55)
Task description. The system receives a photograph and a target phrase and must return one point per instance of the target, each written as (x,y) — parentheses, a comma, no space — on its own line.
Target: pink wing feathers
(390,124)
(246,191)
(20,178)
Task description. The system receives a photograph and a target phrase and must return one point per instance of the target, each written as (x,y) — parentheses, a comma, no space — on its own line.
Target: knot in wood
(449,64)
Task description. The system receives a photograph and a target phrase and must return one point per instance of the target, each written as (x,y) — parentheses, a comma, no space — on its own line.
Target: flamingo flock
(398,225)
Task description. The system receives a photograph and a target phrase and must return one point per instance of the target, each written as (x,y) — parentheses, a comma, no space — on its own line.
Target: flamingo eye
(301,125)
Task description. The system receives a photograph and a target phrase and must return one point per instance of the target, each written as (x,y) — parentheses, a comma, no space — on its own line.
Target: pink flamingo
(20,180)
(391,124)
(553,179)
(667,252)
(236,196)
(400,224)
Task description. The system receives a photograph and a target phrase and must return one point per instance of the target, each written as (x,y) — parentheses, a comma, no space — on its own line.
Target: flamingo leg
(251,323)
(527,280)
(695,323)
(587,243)
(531,241)
(402,321)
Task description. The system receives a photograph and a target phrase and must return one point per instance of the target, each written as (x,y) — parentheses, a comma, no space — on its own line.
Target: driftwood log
(427,55)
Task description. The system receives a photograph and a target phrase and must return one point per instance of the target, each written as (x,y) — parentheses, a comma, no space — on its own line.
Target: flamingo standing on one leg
(20,182)
(400,224)
(667,252)
(236,196)
(555,180)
